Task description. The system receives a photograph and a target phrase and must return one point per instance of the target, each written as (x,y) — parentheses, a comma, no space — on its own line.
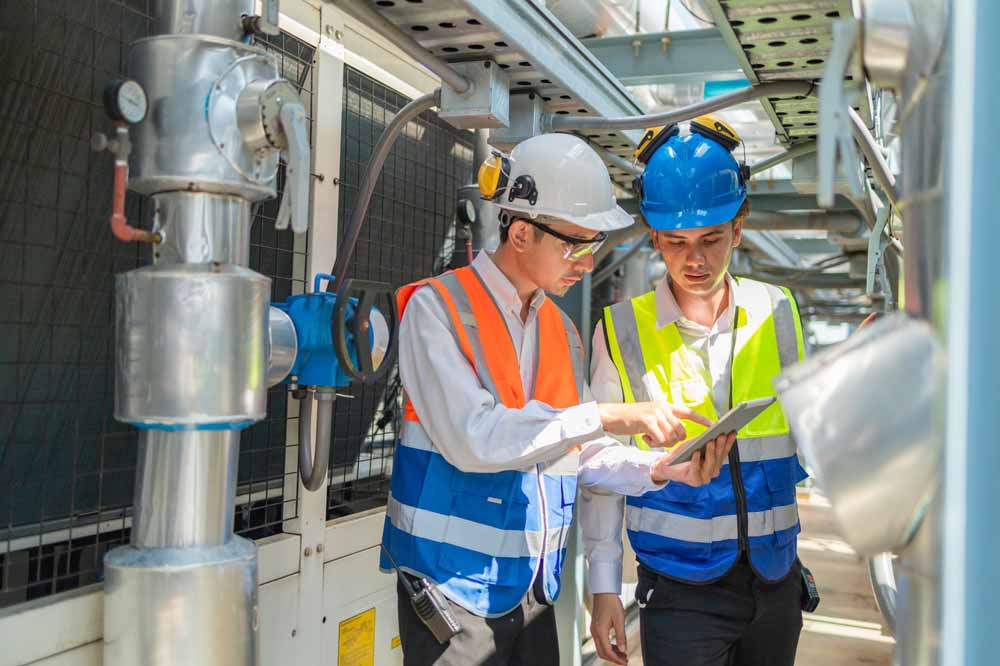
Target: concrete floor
(847,627)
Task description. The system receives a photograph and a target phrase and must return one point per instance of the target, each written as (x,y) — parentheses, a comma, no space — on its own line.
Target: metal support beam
(841,223)
(666,57)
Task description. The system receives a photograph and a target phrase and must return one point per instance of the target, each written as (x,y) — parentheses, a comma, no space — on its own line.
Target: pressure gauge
(125,101)
(467,211)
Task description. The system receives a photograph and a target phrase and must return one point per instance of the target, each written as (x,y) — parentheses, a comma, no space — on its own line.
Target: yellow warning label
(356,642)
(395,642)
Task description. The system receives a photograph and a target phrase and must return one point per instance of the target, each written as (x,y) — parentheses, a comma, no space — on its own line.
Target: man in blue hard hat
(719,581)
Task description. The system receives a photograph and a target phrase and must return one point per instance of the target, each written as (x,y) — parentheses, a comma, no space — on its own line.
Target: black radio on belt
(429,604)
(810,595)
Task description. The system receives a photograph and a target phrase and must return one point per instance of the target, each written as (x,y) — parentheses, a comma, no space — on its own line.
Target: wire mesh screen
(409,234)
(67,468)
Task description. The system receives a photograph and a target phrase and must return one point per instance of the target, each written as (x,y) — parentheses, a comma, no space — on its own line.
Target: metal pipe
(616,238)
(367,187)
(185,488)
(807,281)
(616,160)
(221,18)
(841,223)
(562,123)
(790,154)
(371,18)
(312,472)
(883,580)
(609,270)
(880,169)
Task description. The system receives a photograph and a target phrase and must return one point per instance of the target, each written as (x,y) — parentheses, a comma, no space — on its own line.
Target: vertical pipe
(972,535)
(185,488)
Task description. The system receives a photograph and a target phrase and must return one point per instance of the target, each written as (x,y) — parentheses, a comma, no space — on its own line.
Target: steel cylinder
(191,344)
(173,606)
(185,488)
(190,139)
(199,228)
(221,18)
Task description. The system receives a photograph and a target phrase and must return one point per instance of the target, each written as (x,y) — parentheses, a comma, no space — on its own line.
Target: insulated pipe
(790,154)
(371,18)
(561,123)
(312,471)
(872,152)
(841,223)
(367,187)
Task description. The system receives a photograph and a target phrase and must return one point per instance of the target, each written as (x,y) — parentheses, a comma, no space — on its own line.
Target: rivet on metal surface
(319,548)
(318,176)
(308,551)
(338,35)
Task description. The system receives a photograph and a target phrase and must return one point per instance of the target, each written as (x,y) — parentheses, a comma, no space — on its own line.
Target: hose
(880,169)
(372,173)
(790,154)
(775,88)
(312,472)
(883,580)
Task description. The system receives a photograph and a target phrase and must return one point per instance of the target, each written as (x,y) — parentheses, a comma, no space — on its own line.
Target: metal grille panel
(66,466)
(408,235)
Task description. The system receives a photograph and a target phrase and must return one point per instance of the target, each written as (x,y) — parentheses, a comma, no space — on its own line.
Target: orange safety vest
(483,537)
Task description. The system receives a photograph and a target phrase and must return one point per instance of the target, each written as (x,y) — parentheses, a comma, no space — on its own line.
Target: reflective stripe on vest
(691,533)
(480,536)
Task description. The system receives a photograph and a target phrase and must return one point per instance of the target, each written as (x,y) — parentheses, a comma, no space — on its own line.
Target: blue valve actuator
(316,363)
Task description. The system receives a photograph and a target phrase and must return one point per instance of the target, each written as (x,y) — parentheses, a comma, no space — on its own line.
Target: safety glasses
(576,248)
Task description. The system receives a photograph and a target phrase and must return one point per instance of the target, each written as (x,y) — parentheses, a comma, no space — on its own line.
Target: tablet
(732,421)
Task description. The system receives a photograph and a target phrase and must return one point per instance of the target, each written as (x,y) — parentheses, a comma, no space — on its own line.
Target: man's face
(697,259)
(543,256)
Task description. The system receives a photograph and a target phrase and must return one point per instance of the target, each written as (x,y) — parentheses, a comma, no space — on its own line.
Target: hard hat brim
(607,220)
(690,219)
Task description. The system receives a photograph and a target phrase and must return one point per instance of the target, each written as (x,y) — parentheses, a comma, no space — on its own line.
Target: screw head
(308,551)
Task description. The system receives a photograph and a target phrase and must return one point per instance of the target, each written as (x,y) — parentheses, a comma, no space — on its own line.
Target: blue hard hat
(691,182)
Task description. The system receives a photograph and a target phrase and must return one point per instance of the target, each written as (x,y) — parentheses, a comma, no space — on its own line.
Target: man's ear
(520,235)
(737,230)
(656,239)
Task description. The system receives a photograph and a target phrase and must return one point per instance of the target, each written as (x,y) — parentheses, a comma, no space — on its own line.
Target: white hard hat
(558,176)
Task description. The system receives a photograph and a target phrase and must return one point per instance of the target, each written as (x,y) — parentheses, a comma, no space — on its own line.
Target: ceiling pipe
(790,154)
(810,281)
(562,123)
(873,154)
(371,18)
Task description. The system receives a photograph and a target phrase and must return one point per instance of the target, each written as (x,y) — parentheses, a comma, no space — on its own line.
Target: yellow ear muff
(716,129)
(652,139)
(492,177)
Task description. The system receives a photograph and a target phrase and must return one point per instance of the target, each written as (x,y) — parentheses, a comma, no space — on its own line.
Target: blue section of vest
(477,535)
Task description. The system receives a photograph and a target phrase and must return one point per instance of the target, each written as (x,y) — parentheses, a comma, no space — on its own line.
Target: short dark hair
(741,214)
(506,219)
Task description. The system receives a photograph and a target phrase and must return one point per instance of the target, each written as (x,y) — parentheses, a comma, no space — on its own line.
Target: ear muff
(718,130)
(653,138)
(493,175)
(637,186)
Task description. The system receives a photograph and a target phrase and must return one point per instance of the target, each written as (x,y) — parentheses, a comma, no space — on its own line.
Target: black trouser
(526,636)
(739,620)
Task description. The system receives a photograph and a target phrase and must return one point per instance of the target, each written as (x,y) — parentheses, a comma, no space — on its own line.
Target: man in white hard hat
(500,426)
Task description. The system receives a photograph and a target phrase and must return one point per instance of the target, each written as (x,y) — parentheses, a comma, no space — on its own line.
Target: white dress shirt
(601,519)
(472,430)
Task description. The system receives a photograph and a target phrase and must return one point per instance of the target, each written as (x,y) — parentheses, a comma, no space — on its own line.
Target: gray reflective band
(627,336)
(464,308)
(707,530)
(469,534)
(773,447)
(784,327)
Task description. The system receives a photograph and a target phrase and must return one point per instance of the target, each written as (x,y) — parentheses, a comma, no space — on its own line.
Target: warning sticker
(356,642)
(395,642)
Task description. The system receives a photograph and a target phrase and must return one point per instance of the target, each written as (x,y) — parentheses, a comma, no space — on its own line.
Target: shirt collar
(500,286)
(669,312)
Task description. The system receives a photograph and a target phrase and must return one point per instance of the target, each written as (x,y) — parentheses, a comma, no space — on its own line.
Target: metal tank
(197,341)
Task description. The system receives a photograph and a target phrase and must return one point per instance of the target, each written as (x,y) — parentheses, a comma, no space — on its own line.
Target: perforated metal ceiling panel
(536,52)
(781,41)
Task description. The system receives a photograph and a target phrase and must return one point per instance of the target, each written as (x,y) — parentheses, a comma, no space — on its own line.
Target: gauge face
(467,211)
(131,103)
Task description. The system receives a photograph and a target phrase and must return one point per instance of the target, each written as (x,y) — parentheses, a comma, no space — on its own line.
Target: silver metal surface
(873,154)
(220,18)
(191,345)
(185,487)
(257,109)
(174,606)
(878,468)
(888,29)
(191,140)
(798,150)
(919,570)
(882,575)
(283,345)
(199,227)
(485,104)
